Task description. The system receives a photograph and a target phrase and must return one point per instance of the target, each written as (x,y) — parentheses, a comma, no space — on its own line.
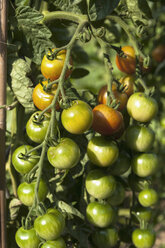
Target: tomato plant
(51,65)
(58,243)
(27,238)
(102,152)
(106,120)
(143,238)
(142,213)
(148,197)
(22,162)
(127,62)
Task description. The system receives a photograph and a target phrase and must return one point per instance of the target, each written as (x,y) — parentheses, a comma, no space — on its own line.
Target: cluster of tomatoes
(108,163)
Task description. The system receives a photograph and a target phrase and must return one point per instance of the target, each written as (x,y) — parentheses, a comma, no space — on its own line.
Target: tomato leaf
(77,6)
(69,209)
(14,208)
(79,73)
(98,10)
(21,84)
(35,32)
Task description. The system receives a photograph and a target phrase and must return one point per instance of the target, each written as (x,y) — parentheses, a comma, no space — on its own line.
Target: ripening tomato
(78,118)
(100,214)
(128,84)
(141,107)
(51,68)
(27,238)
(148,197)
(36,130)
(50,225)
(121,97)
(65,155)
(22,163)
(26,192)
(41,98)
(106,120)
(143,238)
(102,152)
(58,243)
(145,164)
(127,64)
(106,238)
(139,138)
(118,195)
(159,53)
(100,184)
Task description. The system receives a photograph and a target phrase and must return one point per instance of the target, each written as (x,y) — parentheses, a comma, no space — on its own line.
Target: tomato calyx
(119,51)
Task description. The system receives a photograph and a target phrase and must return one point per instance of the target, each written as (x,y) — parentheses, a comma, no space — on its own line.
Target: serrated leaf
(79,73)
(98,10)
(22,85)
(69,209)
(76,6)
(35,32)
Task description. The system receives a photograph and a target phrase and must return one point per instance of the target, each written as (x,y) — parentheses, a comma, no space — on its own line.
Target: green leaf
(98,10)
(22,85)
(22,2)
(35,32)
(79,73)
(76,6)
(69,209)
(14,208)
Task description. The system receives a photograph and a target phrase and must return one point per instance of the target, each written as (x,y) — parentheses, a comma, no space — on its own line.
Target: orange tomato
(127,64)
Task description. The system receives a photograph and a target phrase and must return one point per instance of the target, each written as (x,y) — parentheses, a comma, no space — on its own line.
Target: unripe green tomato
(148,197)
(99,184)
(106,238)
(145,164)
(143,238)
(65,155)
(100,214)
(58,243)
(139,138)
(118,196)
(140,213)
(102,152)
(26,192)
(27,238)
(138,183)
(141,107)
(162,122)
(121,165)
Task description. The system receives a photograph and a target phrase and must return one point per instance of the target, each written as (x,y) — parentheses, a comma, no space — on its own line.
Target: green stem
(141,81)
(50,16)
(34,149)
(127,30)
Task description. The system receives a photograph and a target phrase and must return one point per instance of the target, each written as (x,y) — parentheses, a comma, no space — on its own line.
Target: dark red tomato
(100,214)
(78,118)
(102,152)
(50,225)
(99,184)
(36,130)
(27,238)
(22,163)
(143,238)
(106,238)
(141,107)
(51,68)
(106,120)
(159,53)
(26,192)
(127,64)
(58,243)
(118,195)
(139,138)
(148,197)
(65,155)
(145,164)
(128,83)
(121,97)
(43,99)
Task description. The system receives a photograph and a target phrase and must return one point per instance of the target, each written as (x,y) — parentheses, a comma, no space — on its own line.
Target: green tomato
(26,192)
(118,196)
(138,183)
(78,118)
(162,122)
(121,165)
(36,130)
(141,107)
(102,152)
(27,238)
(100,214)
(139,138)
(99,184)
(148,197)
(145,164)
(106,238)
(50,225)
(22,163)
(65,155)
(140,213)
(58,243)
(143,238)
